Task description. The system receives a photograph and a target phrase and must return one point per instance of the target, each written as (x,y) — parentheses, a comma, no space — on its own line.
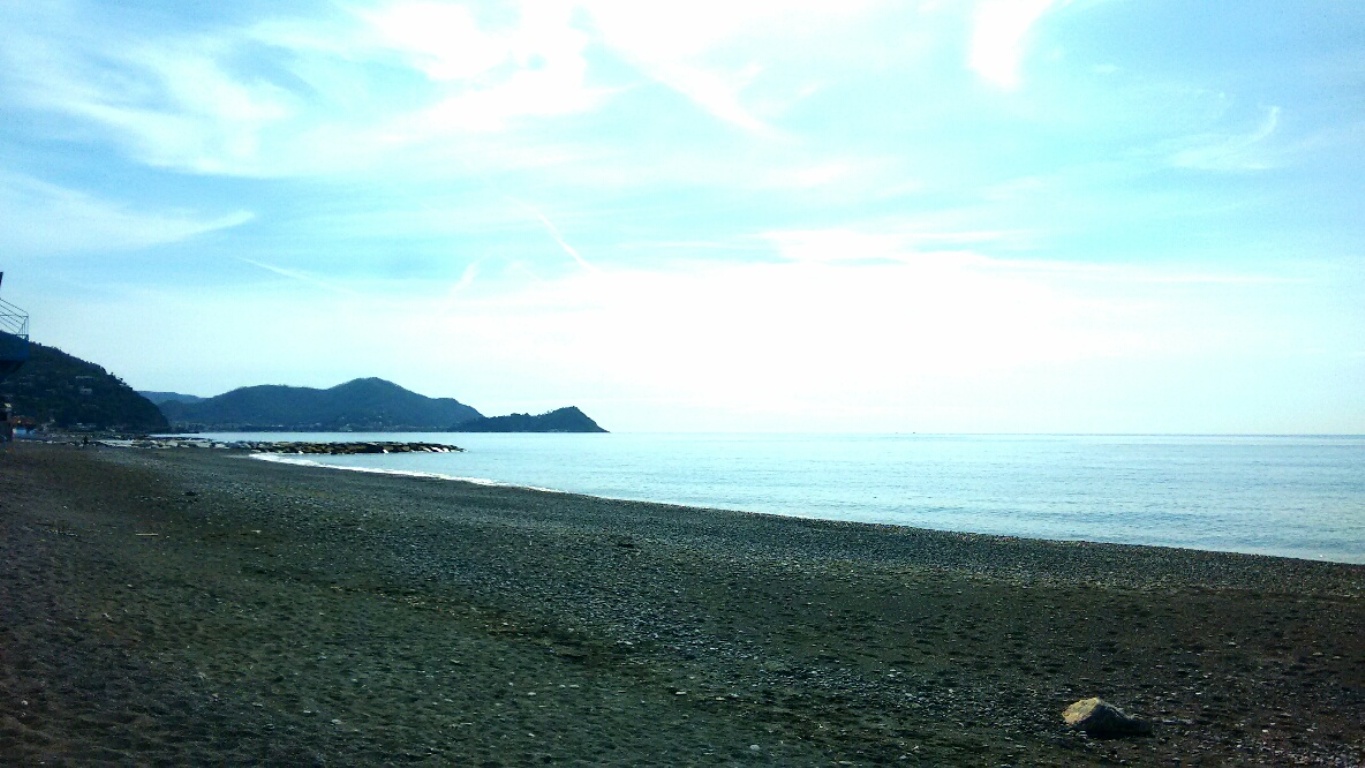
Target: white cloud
(1000,38)
(45,219)
(488,75)
(290,96)
(831,245)
(171,102)
(717,93)
(557,236)
(301,276)
(676,30)
(734,334)
(681,45)
(442,40)
(1237,152)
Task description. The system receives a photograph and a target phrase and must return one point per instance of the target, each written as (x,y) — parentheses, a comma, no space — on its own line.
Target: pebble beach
(195,606)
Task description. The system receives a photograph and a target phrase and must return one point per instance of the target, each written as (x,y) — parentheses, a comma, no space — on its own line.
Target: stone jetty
(289,446)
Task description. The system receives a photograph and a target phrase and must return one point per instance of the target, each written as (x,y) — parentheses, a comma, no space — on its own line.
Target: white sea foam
(280,458)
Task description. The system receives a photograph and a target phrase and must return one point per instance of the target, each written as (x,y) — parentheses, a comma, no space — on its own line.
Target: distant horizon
(979,216)
(793,432)
(812,433)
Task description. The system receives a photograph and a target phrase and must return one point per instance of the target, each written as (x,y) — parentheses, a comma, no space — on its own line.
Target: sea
(1292,496)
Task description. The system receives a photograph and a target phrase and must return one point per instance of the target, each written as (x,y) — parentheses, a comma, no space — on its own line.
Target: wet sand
(193,606)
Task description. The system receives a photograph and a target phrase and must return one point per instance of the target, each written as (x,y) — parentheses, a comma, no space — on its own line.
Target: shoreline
(291,460)
(1187,516)
(361,618)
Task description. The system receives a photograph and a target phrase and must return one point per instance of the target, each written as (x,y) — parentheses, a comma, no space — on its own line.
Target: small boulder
(1098,717)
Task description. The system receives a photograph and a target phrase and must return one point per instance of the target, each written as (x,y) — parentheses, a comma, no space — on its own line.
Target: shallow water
(1292,496)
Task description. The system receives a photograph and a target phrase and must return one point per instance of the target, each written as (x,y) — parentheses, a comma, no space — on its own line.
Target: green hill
(563,420)
(362,405)
(66,392)
(162,397)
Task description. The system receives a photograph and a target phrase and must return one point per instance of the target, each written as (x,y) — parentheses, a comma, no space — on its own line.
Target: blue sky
(983,215)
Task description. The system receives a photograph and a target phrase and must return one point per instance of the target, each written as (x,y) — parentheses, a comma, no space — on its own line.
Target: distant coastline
(360,405)
(54,392)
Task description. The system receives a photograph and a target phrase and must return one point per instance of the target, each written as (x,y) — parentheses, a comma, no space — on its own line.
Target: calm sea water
(1293,496)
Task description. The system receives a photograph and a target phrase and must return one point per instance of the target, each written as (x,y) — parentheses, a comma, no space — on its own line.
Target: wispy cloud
(684,45)
(962,251)
(467,278)
(280,98)
(558,237)
(718,94)
(1236,152)
(488,76)
(38,218)
(170,101)
(301,276)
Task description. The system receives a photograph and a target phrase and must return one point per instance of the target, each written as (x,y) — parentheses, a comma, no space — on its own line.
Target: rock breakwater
(290,446)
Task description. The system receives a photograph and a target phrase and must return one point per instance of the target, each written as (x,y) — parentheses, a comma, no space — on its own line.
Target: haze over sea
(1295,496)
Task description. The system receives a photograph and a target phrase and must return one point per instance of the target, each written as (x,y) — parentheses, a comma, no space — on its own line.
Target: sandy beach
(192,606)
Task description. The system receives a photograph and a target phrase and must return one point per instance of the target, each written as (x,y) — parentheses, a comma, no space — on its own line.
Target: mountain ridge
(360,405)
(568,419)
(158,398)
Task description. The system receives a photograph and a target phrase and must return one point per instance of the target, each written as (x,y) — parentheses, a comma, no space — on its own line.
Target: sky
(1094,216)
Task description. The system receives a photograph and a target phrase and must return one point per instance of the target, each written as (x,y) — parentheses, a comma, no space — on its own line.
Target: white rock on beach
(1098,717)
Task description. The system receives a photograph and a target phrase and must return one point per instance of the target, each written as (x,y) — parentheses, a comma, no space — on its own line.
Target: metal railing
(13,335)
(13,320)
